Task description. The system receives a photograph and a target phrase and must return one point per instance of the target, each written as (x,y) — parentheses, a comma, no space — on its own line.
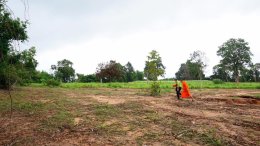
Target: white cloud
(90,32)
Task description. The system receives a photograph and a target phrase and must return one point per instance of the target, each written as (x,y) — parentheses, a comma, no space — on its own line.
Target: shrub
(8,76)
(155,89)
(217,81)
(52,83)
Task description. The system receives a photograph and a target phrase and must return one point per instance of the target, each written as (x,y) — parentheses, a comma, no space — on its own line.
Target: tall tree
(198,58)
(257,72)
(130,72)
(153,66)
(11,29)
(190,71)
(64,71)
(139,75)
(236,55)
(183,73)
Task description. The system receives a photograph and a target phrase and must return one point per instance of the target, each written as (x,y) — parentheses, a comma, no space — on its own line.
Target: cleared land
(116,116)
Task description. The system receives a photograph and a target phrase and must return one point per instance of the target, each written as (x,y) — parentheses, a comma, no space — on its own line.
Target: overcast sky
(89,32)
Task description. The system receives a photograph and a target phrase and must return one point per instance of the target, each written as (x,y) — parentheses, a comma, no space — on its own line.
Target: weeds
(60,120)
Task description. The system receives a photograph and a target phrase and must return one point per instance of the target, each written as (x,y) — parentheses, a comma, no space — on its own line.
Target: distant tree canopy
(153,66)
(130,72)
(42,77)
(86,78)
(64,71)
(193,69)
(110,72)
(139,75)
(113,71)
(220,72)
(236,60)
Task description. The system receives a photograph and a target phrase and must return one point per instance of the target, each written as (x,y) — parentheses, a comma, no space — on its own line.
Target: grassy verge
(194,84)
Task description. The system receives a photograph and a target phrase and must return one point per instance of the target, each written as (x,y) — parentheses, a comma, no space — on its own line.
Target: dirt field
(89,116)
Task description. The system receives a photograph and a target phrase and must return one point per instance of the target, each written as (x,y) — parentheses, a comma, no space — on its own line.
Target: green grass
(193,84)
(105,111)
(257,96)
(61,119)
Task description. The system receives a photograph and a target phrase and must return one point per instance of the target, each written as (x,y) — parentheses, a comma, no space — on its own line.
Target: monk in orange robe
(185,90)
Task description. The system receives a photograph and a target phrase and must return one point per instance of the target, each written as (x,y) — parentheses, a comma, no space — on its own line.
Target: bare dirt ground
(54,116)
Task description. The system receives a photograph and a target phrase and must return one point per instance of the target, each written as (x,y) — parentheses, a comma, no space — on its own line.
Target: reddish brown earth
(54,116)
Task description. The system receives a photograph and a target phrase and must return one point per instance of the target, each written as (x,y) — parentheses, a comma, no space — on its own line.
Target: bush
(52,83)
(217,81)
(155,89)
(8,76)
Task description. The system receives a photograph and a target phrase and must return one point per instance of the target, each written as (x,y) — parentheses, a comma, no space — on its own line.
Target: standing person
(186,91)
(177,86)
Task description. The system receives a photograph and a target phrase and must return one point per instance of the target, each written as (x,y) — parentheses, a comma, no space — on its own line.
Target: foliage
(198,58)
(153,66)
(52,83)
(18,67)
(41,77)
(139,75)
(130,72)
(12,29)
(86,78)
(190,71)
(11,62)
(8,75)
(236,55)
(183,72)
(217,81)
(256,71)
(110,72)
(220,72)
(155,89)
(64,71)
(194,67)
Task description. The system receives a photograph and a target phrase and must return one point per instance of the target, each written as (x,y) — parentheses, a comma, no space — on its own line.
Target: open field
(118,116)
(194,84)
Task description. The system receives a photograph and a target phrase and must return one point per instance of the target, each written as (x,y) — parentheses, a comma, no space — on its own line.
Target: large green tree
(194,67)
(236,56)
(64,71)
(11,29)
(183,73)
(198,58)
(130,72)
(154,66)
(139,75)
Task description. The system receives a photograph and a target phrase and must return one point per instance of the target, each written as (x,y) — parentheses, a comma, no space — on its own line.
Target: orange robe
(185,90)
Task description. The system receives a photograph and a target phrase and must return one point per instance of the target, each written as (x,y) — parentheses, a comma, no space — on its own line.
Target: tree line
(19,67)
(236,64)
